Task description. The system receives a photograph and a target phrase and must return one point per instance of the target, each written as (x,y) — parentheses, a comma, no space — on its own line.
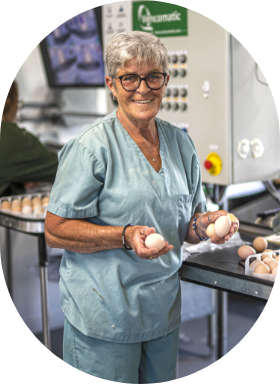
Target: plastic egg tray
(38,213)
(258,256)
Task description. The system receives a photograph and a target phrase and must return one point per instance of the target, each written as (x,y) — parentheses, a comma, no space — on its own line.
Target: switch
(257,148)
(243,148)
(175,106)
(183,58)
(183,92)
(213,164)
(208,164)
(167,106)
(183,72)
(175,59)
(183,107)
(175,92)
(175,73)
(167,92)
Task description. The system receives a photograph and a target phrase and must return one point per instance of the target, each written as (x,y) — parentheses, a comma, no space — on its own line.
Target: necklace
(157,148)
(154,157)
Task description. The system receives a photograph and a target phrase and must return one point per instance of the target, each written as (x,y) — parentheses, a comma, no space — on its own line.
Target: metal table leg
(213,326)
(222,322)
(9,262)
(43,262)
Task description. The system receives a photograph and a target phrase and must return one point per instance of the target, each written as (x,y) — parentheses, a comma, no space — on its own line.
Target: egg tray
(258,256)
(34,216)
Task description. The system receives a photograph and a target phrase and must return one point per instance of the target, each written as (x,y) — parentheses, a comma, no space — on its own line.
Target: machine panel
(213,94)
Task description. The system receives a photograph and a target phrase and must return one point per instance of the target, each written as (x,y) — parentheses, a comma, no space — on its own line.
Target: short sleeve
(78,183)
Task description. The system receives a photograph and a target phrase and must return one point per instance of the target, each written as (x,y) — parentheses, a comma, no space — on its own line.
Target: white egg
(222,226)
(155,240)
(27,210)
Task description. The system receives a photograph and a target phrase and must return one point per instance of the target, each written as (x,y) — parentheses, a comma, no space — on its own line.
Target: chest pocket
(184,214)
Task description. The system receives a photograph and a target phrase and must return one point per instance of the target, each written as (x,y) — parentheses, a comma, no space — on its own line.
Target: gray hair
(124,46)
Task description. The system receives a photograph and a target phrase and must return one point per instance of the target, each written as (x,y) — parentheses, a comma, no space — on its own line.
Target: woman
(23,159)
(121,300)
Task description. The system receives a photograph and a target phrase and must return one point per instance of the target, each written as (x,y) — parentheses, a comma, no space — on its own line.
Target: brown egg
(210,231)
(5,205)
(277,258)
(254,264)
(270,250)
(36,202)
(45,201)
(272,264)
(263,257)
(262,269)
(260,244)
(271,260)
(275,270)
(244,251)
(16,205)
(267,260)
(26,202)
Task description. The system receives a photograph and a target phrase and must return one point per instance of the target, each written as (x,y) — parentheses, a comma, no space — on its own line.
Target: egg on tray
(26,210)
(5,205)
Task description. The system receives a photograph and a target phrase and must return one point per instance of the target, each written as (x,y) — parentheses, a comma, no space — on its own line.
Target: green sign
(161,19)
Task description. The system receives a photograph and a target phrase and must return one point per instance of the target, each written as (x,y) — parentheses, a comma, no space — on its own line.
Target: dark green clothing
(22,159)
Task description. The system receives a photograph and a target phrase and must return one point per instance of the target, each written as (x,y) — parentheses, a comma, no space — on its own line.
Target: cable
(257,76)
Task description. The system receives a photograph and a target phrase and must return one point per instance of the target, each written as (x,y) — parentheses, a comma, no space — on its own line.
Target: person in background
(24,160)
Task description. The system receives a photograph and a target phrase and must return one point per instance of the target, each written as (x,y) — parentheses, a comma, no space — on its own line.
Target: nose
(143,88)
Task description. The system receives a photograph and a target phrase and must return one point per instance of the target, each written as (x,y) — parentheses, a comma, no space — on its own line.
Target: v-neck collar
(161,144)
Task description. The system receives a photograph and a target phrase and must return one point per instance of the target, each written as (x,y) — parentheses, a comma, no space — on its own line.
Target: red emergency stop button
(213,164)
(208,164)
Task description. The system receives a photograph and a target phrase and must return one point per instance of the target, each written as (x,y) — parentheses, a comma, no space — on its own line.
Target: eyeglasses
(130,82)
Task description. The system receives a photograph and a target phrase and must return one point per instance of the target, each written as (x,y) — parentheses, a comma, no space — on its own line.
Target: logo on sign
(146,19)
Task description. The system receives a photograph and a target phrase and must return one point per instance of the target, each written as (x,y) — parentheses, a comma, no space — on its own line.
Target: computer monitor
(73,54)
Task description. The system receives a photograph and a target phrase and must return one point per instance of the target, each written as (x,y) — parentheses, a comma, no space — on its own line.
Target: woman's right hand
(135,238)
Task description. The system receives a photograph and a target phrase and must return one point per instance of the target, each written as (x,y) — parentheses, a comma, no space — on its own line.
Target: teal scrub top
(104,177)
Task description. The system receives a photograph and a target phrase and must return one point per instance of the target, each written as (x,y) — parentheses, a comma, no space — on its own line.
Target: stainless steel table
(33,227)
(222,271)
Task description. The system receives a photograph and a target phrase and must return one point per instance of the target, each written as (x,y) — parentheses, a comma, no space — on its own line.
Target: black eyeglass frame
(142,78)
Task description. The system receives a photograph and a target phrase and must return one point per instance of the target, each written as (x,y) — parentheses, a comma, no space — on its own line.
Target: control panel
(209,95)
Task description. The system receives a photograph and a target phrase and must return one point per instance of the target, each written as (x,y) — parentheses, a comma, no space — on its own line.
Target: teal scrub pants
(151,361)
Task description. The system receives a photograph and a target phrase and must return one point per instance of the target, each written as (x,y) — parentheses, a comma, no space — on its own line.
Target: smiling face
(142,105)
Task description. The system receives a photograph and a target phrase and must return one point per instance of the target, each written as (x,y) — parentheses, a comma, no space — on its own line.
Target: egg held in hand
(210,231)
(155,240)
(222,226)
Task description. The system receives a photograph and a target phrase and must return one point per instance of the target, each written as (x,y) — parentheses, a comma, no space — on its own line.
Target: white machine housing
(214,94)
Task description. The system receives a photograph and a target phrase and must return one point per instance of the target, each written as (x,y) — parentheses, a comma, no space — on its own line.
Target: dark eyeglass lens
(132,82)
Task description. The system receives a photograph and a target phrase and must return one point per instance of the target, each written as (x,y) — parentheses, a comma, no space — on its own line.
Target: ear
(110,85)
(167,80)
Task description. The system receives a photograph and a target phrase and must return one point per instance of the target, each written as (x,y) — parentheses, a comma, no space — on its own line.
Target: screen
(72,53)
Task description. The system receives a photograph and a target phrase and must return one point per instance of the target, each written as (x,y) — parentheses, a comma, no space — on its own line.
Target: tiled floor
(194,353)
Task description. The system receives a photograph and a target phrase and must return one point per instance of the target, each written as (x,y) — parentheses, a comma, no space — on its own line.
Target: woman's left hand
(210,217)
